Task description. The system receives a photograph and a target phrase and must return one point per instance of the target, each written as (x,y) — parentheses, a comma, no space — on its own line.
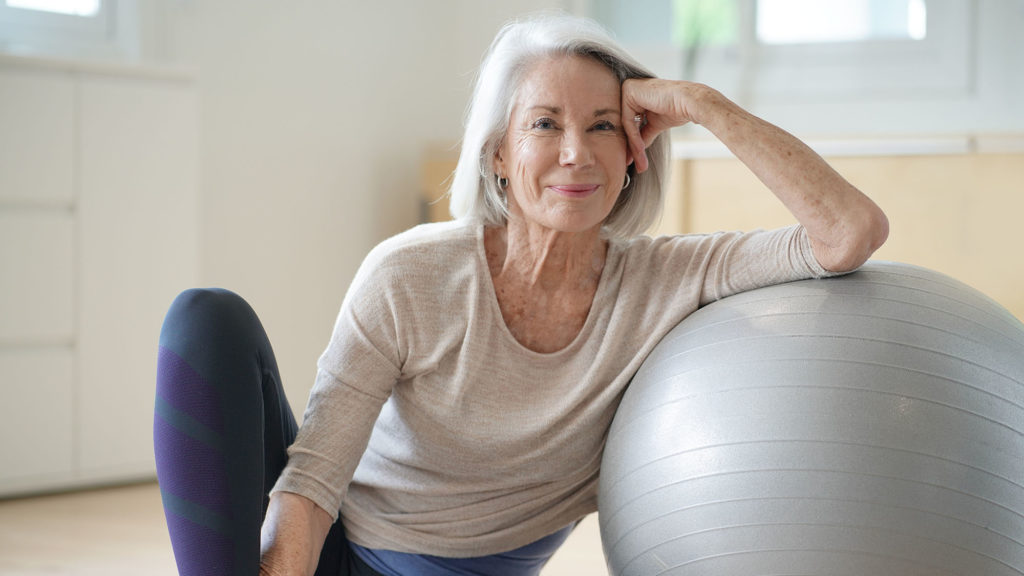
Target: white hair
(474,192)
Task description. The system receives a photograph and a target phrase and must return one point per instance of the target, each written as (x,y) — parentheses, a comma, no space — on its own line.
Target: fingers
(647,112)
(637,146)
(633,121)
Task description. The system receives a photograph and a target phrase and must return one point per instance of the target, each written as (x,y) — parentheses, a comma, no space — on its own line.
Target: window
(697,22)
(68,28)
(811,22)
(792,51)
(72,7)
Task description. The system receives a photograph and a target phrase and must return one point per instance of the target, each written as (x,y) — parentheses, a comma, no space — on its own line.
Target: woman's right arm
(355,377)
(293,534)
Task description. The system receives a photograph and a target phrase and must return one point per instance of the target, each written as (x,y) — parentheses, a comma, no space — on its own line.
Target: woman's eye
(544,124)
(605,125)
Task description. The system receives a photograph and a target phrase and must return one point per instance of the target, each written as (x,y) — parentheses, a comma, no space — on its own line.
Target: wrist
(268,569)
(704,103)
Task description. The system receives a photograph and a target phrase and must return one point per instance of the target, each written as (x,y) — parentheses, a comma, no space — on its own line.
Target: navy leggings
(220,432)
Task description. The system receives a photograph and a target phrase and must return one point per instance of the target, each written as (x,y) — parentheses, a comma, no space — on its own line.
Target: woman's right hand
(293,534)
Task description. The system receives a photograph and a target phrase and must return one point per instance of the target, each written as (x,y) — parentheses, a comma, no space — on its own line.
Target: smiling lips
(575,190)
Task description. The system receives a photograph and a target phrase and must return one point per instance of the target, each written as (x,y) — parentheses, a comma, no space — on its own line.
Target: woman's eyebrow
(558,110)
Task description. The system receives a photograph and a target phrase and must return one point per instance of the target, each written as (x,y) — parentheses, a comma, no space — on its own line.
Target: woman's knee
(214,330)
(209,314)
(214,305)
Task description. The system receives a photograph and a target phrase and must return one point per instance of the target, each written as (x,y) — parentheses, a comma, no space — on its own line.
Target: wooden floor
(113,532)
(121,532)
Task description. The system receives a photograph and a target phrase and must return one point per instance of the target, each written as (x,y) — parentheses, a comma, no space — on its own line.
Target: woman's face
(565,153)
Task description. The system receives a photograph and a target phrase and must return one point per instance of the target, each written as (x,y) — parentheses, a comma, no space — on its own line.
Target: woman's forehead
(568,84)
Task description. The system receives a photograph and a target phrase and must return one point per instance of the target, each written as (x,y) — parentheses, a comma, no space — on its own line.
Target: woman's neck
(545,259)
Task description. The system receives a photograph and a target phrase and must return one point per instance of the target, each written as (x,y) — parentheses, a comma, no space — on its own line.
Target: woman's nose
(575,150)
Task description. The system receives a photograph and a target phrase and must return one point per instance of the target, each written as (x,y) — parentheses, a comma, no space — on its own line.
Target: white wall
(313,118)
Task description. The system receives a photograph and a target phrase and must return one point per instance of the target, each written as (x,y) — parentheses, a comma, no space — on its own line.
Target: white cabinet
(36,417)
(98,232)
(37,279)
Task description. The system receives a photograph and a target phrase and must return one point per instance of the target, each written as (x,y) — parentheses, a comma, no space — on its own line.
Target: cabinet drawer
(35,417)
(36,137)
(36,277)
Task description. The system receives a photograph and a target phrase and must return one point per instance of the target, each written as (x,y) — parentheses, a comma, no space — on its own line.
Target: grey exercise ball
(871,424)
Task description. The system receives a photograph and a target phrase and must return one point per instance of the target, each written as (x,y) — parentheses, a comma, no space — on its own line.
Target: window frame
(108,34)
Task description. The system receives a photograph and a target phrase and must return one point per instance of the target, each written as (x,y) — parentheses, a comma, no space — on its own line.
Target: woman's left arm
(844,226)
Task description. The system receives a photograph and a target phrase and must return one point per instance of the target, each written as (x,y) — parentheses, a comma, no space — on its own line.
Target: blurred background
(149,146)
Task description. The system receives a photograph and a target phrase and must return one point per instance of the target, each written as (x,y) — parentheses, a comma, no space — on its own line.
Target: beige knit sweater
(466,442)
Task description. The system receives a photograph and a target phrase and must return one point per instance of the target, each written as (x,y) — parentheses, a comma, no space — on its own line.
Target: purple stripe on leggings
(198,550)
(190,469)
(190,392)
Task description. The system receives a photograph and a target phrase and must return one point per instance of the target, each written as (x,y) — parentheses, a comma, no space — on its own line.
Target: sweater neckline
(489,292)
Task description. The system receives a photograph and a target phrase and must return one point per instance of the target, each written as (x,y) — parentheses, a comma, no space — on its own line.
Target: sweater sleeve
(744,261)
(355,376)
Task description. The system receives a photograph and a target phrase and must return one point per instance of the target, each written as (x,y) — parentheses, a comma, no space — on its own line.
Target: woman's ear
(498,163)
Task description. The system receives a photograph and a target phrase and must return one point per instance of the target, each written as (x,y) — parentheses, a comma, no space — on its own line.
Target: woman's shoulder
(426,244)
(427,254)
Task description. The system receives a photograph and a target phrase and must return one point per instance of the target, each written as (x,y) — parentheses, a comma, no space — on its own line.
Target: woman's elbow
(860,238)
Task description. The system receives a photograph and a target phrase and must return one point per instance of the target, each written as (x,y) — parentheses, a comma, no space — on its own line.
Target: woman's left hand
(659,105)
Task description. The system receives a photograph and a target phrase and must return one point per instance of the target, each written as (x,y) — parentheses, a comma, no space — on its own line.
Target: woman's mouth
(575,190)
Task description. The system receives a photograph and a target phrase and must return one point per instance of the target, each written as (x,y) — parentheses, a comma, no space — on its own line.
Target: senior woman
(460,409)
